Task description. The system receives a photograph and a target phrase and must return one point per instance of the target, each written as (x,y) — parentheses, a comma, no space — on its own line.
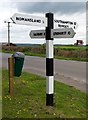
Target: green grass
(72,58)
(34,54)
(26,53)
(29,99)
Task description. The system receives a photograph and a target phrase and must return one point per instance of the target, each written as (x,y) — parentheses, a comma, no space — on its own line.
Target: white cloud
(20,33)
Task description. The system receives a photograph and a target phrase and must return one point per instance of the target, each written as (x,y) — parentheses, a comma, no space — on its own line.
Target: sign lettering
(37,34)
(59,33)
(65,24)
(27,19)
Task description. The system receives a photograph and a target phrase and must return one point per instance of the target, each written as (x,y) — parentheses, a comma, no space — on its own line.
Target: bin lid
(18,55)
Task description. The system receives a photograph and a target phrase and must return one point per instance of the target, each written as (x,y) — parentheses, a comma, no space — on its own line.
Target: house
(78,42)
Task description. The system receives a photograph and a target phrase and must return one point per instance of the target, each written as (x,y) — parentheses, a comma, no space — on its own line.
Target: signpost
(49,34)
(55,33)
(23,19)
(49,61)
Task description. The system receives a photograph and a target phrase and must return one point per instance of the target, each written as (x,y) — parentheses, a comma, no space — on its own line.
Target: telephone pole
(8,32)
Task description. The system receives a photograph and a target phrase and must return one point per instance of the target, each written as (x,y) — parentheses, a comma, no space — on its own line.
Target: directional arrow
(55,33)
(62,33)
(23,19)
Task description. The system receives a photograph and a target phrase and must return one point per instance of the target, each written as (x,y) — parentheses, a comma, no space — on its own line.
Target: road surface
(72,73)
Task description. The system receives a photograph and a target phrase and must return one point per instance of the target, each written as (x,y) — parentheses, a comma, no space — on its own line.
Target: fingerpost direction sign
(62,33)
(29,20)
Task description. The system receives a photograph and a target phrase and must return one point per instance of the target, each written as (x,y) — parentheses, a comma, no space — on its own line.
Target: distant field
(29,99)
(79,53)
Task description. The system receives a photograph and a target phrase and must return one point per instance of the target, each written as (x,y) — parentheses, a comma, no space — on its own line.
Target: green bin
(18,63)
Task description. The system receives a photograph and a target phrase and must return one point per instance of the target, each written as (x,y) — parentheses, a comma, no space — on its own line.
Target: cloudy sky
(65,10)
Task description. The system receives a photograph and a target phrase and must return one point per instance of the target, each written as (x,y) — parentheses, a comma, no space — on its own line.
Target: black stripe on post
(49,99)
(49,66)
(50,20)
(48,34)
(49,26)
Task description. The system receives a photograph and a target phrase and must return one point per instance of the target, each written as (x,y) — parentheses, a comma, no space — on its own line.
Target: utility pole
(8,32)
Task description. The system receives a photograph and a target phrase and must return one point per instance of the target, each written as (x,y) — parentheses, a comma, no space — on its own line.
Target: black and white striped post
(49,61)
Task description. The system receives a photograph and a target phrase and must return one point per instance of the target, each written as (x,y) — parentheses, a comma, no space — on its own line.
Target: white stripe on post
(50,85)
(49,48)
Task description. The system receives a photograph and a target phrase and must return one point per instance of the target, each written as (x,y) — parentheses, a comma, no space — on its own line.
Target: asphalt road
(72,73)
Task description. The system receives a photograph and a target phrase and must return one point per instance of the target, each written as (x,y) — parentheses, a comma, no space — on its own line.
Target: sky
(63,10)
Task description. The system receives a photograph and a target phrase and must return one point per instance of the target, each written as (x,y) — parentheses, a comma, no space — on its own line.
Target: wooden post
(11,74)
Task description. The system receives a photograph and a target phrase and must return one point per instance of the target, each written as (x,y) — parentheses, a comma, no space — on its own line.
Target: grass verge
(56,57)
(29,99)
(78,53)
